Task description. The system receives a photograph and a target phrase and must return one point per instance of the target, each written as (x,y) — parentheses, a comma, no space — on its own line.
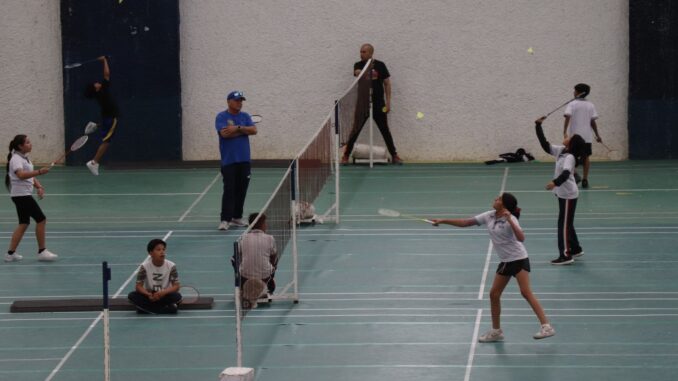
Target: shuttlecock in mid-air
(530,50)
(420,115)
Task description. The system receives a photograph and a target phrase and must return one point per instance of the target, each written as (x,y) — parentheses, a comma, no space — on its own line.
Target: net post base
(237,374)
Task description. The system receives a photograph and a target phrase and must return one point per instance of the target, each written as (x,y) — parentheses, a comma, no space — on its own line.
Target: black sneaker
(578,254)
(562,261)
(584,183)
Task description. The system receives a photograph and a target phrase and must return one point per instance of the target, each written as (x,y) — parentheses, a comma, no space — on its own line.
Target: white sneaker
(238,222)
(545,331)
(93,167)
(13,258)
(223,225)
(47,256)
(491,336)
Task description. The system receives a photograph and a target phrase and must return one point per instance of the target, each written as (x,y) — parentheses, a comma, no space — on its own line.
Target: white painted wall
(463,63)
(31,95)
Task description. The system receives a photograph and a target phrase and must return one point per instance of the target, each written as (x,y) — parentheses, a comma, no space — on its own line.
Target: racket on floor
(396,214)
(252,289)
(90,128)
(256,118)
(77,144)
(189,295)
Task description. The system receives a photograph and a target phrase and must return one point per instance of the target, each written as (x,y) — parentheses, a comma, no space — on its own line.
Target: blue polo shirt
(233,150)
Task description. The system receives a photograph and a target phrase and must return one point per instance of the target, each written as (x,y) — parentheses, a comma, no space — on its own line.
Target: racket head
(389,212)
(79,142)
(189,294)
(90,127)
(256,118)
(252,289)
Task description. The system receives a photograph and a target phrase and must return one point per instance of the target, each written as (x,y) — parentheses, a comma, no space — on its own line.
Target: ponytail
(510,202)
(13,146)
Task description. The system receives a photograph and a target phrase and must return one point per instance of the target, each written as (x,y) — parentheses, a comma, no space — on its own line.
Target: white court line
(197,200)
(474,342)
(94,323)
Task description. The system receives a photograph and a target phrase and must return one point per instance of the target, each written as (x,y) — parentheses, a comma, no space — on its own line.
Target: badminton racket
(189,295)
(612,154)
(90,128)
(77,144)
(256,118)
(395,213)
(78,64)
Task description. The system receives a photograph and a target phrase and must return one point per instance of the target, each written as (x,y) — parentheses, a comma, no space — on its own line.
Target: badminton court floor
(380,298)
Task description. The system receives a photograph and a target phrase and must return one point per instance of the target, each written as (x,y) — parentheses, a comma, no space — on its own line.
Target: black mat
(82,304)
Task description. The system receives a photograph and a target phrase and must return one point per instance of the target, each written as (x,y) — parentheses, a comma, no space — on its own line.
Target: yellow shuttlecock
(384,109)
(420,115)
(530,50)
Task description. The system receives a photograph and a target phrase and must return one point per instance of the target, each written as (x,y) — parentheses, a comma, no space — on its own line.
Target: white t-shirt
(565,161)
(258,251)
(18,187)
(505,243)
(157,278)
(581,113)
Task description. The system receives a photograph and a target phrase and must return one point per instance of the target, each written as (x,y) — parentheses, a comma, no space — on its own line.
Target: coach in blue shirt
(234,128)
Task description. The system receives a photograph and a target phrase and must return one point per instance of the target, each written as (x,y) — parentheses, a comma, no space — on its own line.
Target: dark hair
(260,222)
(152,244)
(510,202)
(577,147)
(13,146)
(90,90)
(583,90)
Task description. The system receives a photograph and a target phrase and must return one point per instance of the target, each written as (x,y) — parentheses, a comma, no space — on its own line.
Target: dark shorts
(27,207)
(513,268)
(107,129)
(589,149)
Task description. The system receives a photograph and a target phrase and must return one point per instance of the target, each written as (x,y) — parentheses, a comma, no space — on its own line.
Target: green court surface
(380,298)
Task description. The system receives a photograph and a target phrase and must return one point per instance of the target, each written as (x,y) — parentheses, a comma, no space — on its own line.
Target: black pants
(568,243)
(236,179)
(381,120)
(158,307)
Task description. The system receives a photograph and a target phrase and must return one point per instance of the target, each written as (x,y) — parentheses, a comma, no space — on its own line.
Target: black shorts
(107,129)
(514,267)
(27,207)
(589,149)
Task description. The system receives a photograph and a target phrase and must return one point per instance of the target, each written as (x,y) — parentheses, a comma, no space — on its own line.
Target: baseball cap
(237,95)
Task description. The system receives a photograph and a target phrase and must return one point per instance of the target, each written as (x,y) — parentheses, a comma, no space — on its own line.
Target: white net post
(337,147)
(293,208)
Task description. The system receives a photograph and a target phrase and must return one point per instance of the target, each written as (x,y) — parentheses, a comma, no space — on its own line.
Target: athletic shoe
(93,167)
(545,331)
(47,256)
(171,308)
(344,160)
(491,336)
(13,257)
(579,254)
(397,160)
(238,222)
(584,183)
(223,225)
(562,261)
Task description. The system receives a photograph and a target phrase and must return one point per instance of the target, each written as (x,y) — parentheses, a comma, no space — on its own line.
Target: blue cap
(237,95)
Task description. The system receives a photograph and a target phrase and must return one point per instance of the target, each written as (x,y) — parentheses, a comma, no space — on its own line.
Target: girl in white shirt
(20,180)
(507,238)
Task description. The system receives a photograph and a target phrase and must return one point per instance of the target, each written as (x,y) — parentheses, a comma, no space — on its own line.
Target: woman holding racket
(20,180)
(507,238)
(565,188)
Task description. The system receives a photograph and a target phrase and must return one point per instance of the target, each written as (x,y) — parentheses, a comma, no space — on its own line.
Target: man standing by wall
(234,128)
(381,86)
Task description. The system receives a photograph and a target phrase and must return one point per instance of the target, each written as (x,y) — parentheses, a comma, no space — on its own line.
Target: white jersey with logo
(504,240)
(157,278)
(565,161)
(581,113)
(19,187)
